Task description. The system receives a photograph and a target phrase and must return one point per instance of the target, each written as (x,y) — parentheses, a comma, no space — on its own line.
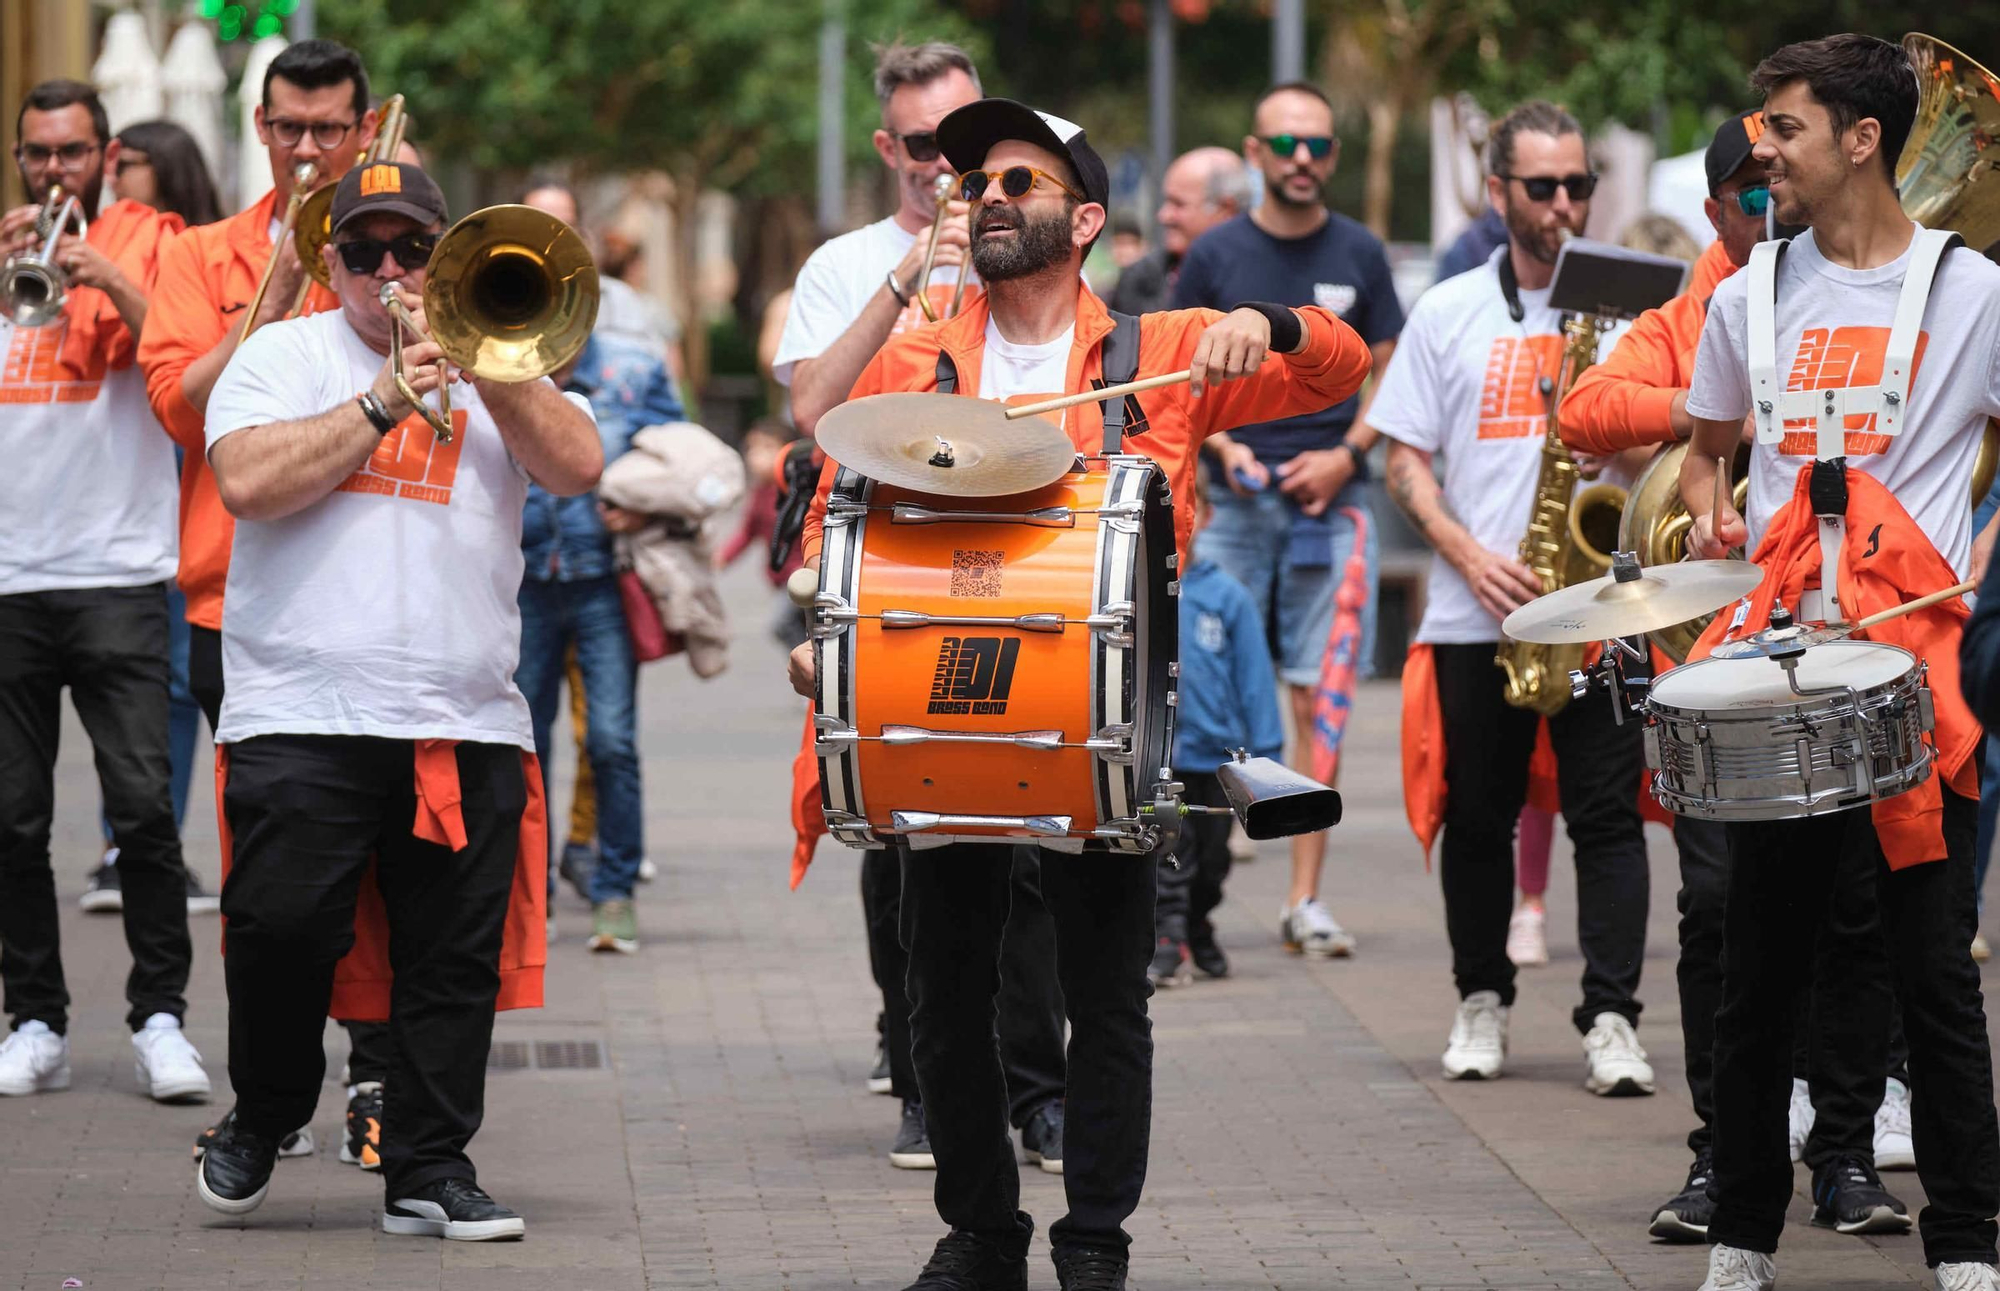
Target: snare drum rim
(1911,678)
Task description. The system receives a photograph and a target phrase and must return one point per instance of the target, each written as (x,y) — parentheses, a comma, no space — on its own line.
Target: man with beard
(1040,193)
(1291,497)
(1467,386)
(853,294)
(1200,190)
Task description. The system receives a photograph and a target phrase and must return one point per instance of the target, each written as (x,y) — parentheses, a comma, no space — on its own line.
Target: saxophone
(1570,536)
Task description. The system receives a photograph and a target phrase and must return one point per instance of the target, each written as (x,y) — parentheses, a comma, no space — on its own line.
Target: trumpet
(32,285)
(511,295)
(943,190)
(305,176)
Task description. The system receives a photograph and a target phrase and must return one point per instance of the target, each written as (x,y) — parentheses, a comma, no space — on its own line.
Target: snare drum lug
(1926,711)
(1652,738)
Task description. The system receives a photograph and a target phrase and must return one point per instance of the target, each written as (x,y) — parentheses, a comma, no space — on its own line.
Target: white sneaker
(1731,1268)
(647,870)
(1478,1043)
(1799,1121)
(1968,1277)
(168,1068)
(1308,928)
(1527,937)
(1894,1148)
(1981,952)
(33,1060)
(1615,1065)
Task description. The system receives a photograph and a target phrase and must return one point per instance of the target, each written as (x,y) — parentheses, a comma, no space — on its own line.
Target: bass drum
(999,669)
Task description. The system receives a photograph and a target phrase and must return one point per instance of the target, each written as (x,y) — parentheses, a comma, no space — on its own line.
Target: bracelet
(1361,472)
(1286,329)
(896,290)
(377,414)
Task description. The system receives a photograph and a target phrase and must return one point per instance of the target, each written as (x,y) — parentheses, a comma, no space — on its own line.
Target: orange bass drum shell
(998,669)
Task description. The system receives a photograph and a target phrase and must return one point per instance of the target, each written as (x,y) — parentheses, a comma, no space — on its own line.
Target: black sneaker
(578,860)
(1090,1268)
(299,1143)
(199,899)
(1170,964)
(1685,1216)
(361,1144)
(912,1148)
(879,1079)
(1208,956)
(1848,1197)
(104,895)
(967,1262)
(457,1210)
(1042,1136)
(234,1172)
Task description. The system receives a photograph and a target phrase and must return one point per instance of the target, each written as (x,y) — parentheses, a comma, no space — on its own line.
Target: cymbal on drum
(945,444)
(1607,607)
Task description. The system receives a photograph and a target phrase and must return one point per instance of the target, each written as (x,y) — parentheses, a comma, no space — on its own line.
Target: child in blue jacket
(1228,700)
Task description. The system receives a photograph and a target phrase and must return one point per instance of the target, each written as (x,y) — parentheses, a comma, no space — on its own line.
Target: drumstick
(1092,396)
(1922,602)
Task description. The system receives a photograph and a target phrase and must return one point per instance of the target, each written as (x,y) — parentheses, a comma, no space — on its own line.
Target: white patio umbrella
(253,170)
(127,72)
(193,78)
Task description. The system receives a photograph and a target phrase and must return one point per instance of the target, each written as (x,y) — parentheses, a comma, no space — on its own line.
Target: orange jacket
(1886,560)
(205,283)
(362,980)
(1329,369)
(1623,402)
(96,341)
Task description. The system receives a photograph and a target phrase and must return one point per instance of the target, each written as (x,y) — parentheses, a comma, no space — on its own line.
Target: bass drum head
(1156,638)
(1714,684)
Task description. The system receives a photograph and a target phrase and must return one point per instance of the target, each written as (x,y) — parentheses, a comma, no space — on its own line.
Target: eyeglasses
(288,133)
(1015,181)
(1318,146)
(71,156)
(1755,200)
(1542,188)
(364,255)
(922,146)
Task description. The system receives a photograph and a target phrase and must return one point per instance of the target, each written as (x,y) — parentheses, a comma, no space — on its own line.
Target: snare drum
(1729,739)
(998,669)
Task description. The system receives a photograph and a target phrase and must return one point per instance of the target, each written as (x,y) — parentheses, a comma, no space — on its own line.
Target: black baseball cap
(968,134)
(392,187)
(1733,141)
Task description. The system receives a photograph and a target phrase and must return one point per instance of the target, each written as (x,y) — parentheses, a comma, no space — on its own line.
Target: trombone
(511,295)
(32,285)
(304,176)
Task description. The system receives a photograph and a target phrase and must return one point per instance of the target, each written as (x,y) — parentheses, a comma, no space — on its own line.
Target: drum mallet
(803,586)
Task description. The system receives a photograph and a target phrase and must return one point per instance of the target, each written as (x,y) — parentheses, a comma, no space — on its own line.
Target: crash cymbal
(1661,596)
(1780,643)
(945,444)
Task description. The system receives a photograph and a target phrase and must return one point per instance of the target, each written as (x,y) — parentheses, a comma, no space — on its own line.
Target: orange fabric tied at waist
(1885,560)
(440,801)
(808,821)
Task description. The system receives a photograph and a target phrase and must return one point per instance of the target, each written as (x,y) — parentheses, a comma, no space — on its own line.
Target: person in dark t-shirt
(1293,507)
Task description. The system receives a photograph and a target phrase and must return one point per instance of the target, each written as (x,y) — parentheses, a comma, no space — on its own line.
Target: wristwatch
(1361,471)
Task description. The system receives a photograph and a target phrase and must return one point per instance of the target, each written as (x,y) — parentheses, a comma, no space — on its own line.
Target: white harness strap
(1828,409)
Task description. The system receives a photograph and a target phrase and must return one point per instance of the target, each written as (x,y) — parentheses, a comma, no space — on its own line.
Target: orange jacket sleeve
(182,324)
(1327,371)
(869,382)
(1625,401)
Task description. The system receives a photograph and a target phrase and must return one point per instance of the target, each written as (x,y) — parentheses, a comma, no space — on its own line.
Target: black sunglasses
(364,255)
(1318,146)
(1542,188)
(922,146)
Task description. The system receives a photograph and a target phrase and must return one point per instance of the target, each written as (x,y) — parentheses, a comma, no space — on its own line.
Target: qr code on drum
(975,573)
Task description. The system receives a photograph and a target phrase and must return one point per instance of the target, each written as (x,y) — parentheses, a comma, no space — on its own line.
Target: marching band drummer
(1637,397)
(1897,525)
(1039,192)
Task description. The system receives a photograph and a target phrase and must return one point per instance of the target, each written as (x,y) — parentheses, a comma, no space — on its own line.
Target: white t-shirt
(88,492)
(1007,370)
(835,284)
(386,608)
(1465,386)
(1833,328)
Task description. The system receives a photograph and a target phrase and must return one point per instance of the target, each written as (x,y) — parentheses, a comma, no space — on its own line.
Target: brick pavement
(1301,1139)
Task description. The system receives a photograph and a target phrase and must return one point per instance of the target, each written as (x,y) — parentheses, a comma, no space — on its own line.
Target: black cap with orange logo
(390,187)
(1731,146)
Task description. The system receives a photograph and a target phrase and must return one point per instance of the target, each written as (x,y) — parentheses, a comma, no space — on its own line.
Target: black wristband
(378,416)
(1286,329)
(1361,471)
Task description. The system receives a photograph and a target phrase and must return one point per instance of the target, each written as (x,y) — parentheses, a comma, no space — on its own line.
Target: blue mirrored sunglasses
(1753,201)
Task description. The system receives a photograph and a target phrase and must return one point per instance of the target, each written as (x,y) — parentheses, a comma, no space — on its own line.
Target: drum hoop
(1910,677)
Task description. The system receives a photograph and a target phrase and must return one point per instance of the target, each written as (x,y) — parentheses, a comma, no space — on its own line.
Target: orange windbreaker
(1329,369)
(132,236)
(205,283)
(1886,560)
(1622,402)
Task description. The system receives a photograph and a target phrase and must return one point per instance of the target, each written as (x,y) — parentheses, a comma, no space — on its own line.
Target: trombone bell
(512,293)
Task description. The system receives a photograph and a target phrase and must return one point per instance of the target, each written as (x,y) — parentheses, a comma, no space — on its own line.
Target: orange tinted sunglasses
(1015,181)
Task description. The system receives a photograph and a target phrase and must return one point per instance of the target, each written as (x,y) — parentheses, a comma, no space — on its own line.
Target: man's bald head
(1200,190)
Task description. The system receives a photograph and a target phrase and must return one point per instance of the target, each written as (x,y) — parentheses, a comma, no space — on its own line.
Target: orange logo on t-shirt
(1835,359)
(1511,402)
(381,179)
(411,463)
(29,373)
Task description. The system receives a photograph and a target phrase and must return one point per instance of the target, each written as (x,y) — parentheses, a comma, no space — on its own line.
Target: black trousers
(1488,744)
(309,813)
(372,1049)
(1031,1006)
(955,905)
(1191,876)
(1779,897)
(109,646)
